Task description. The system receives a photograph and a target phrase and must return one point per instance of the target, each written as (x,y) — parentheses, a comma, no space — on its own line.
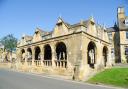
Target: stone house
(119,37)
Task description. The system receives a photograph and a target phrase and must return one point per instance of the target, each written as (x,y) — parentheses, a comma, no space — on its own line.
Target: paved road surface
(16,80)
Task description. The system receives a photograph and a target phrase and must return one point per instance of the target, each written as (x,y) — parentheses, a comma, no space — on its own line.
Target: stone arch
(91,54)
(47,52)
(37,53)
(29,53)
(61,51)
(61,55)
(22,54)
(105,54)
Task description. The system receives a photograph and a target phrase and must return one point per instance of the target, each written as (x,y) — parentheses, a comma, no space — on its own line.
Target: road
(17,80)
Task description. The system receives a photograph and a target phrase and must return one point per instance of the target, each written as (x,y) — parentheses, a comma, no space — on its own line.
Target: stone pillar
(25,56)
(98,57)
(103,60)
(19,58)
(33,56)
(53,56)
(109,59)
(42,55)
(19,55)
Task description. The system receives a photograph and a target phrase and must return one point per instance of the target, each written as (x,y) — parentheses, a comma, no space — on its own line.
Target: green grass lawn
(114,76)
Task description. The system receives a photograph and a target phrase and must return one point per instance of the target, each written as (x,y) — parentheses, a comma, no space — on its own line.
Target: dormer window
(59,25)
(36,32)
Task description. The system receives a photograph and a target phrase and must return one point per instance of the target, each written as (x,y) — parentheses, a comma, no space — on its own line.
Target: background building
(119,35)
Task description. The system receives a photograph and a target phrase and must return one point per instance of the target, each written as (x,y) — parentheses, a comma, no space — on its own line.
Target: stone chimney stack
(120,13)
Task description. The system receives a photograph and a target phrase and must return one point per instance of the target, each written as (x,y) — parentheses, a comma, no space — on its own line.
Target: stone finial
(60,20)
(92,19)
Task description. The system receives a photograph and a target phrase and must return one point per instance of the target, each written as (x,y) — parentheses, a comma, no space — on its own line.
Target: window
(126,22)
(126,51)
(110,35)
(59,26)
(126,34)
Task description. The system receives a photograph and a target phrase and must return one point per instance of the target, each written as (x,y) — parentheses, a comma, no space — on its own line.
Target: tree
(9,42)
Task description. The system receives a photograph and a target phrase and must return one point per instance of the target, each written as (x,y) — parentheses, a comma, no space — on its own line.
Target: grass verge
(114,76)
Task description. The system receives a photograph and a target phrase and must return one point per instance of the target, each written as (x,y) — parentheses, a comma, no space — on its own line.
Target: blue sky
(23,16)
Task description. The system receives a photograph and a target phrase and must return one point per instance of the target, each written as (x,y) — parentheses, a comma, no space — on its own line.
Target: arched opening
(37,53)
(22,57)
(61,53)
(47,52)
(105,54)
(47,55)
(22,54)
(29,54)
(91,54)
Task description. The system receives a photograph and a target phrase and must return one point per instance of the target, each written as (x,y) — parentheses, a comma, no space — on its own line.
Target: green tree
(9,42)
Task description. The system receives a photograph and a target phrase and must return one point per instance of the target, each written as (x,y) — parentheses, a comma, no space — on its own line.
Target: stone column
(109,59)
(19,58)
(25,56)
(19,55)
(33,56)
(98,57)
(42,55)
(53,55)
(85,59)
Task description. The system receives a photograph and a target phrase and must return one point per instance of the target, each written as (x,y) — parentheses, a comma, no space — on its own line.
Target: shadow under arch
(47,52)
(37,53)
(61,51)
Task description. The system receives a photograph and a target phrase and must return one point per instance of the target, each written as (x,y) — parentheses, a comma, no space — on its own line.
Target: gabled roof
(84,23)
(111,29)
(60,20)
(41,31)
(28,38)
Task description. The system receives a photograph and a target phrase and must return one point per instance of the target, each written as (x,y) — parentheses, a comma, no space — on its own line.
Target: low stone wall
(65,72)
(84,74)
(49,70)
(5,65)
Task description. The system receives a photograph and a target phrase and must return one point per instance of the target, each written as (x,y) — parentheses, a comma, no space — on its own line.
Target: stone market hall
(73,50)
